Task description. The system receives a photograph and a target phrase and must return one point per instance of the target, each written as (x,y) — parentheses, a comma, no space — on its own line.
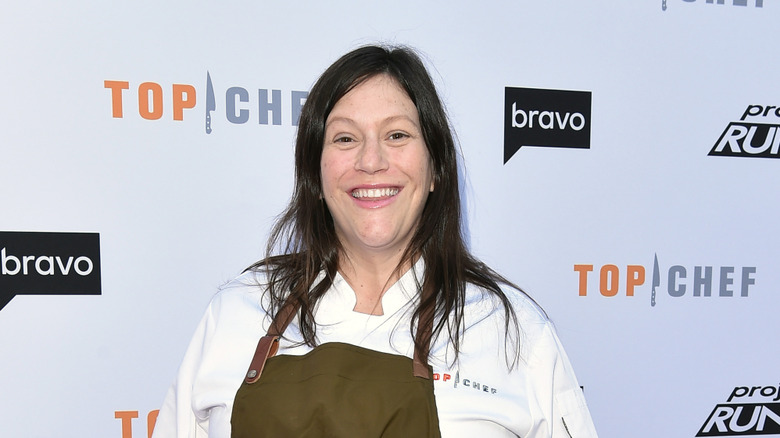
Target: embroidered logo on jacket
(457,382)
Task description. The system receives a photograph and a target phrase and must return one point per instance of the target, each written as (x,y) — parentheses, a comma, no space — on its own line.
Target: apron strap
(425,326)
(268,345)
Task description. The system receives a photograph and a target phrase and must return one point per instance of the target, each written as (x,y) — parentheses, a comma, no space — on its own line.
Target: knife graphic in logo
(211,104)
(656,279)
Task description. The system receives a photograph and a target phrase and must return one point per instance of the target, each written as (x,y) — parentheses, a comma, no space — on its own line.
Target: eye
(344,139)
(398,136)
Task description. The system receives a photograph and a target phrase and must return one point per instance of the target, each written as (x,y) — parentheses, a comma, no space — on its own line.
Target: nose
(371,157)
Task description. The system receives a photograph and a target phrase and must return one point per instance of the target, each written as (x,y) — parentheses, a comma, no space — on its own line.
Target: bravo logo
(48,264)
(751,136)
(153,101)
(747,412)
(676,281)
(545,118)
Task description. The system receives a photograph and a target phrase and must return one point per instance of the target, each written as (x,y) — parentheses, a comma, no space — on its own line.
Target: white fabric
(478,396)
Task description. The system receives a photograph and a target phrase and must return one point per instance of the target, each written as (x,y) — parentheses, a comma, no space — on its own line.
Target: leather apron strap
(268,345)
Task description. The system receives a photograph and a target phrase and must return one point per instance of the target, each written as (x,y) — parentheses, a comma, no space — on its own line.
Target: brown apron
(335,390)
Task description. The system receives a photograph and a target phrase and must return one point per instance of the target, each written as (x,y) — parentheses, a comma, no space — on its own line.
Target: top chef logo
(153,102)
(126,417)
(751,136)
(463,382)
(547,118)
(757,3)
(48,264)
(676,281)
(748,411)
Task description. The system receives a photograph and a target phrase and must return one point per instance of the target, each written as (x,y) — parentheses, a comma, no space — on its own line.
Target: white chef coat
(485,393)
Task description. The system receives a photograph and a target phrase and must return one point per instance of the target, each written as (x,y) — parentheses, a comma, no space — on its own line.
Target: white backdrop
(180,211)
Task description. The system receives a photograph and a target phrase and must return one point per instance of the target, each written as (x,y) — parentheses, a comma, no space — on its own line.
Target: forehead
(379,96)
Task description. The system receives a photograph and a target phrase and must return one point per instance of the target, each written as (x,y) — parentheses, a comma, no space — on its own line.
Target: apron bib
(335,390)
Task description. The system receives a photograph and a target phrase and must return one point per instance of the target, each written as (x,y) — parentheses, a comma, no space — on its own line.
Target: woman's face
(375,168)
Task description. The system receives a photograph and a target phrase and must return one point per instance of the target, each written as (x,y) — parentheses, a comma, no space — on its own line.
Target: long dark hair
(303,244)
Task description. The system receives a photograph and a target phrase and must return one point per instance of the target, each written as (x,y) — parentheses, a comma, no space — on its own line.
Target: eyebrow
(386,120)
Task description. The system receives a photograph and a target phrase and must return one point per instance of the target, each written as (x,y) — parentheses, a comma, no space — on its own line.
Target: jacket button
(251,374)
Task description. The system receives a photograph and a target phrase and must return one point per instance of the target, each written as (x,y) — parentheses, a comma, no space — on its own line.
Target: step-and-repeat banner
(621,164)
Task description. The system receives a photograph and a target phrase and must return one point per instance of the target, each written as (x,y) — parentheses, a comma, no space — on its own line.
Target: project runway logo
(48,264)
(545,118)
(153,101)
(748,411)
(756,134)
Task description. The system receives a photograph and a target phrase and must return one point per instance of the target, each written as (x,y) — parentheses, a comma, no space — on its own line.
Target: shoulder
(509,319)
(508,300)
(526,309)
(244,295)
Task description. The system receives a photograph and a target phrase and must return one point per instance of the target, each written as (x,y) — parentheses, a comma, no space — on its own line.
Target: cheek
(326,172)
(331,173)
(336,164)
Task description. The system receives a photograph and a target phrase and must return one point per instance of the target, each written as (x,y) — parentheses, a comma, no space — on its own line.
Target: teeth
(374,193)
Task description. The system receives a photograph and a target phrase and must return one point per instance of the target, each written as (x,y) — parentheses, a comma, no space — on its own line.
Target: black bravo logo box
(44,263)
(545,118)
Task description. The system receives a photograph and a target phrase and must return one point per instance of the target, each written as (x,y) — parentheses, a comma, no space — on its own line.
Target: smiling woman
(369,294)
(376,176)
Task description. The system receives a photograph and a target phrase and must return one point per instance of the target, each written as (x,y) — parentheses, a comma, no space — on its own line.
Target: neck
(370,276)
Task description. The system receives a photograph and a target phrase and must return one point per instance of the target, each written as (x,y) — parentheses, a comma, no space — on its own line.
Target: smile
(374,193)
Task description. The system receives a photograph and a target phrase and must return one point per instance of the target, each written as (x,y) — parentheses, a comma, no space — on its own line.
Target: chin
(379,241)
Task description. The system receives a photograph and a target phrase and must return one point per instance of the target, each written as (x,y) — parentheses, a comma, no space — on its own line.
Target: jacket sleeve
(178,417)
(557,390)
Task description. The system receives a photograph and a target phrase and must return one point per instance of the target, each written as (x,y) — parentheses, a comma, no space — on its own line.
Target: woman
(377,320)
